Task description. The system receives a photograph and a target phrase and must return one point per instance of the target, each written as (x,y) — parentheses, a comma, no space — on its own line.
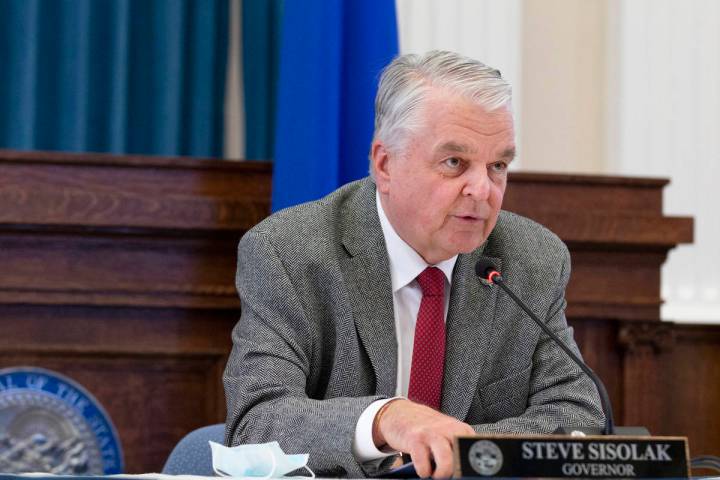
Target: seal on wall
(50,423)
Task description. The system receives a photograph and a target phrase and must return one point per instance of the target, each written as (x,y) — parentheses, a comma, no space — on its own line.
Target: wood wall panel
(122,191)
(615,284)
(156,371)
(616,232)
(118,272)
(673,381)
(148,269)
(597,340)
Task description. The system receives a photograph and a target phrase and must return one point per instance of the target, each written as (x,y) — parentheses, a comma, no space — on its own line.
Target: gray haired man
(364,331)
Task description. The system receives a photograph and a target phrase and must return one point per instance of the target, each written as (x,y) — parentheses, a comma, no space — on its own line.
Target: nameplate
(565,456)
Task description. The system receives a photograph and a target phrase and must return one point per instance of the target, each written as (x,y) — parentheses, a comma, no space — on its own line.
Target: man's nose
(477,184)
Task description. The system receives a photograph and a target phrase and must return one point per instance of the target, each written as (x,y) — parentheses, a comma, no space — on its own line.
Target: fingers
(466,431)
(422,462)
(442,455)
(436,462)
(426,434)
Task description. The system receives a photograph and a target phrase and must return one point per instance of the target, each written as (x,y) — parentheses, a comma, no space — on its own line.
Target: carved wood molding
(658,336)
(98,191)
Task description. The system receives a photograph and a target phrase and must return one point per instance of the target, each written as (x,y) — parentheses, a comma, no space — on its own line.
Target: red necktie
(428,358)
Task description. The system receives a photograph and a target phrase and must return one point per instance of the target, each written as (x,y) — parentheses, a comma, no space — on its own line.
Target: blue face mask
(263,460)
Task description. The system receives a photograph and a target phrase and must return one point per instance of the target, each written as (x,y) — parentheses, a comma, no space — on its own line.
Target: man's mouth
(468,218)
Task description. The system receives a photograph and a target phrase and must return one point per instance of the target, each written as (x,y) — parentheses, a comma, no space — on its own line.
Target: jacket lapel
(469,325)
(370,287)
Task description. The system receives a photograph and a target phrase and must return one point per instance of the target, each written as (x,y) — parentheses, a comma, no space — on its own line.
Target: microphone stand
(609,429)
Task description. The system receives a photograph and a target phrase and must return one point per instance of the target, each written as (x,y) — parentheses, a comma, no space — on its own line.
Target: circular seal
(485,458)
(49,423)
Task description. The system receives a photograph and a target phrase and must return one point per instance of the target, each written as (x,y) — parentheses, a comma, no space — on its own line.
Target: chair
(192,456)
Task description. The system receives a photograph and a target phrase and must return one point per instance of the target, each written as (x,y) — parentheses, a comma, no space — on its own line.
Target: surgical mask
(263,460)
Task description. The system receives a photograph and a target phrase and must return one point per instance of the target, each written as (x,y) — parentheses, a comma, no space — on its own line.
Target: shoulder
(524,236)
(524,244)
(315,225)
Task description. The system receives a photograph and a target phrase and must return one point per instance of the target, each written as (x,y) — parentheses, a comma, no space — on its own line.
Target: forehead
(456,124)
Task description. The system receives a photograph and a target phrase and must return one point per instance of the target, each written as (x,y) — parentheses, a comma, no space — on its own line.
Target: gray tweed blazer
(315,344)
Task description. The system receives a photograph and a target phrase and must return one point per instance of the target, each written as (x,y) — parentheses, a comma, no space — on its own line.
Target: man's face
(443,193)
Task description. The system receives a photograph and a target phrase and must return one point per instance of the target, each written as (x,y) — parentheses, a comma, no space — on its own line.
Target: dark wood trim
(142,162)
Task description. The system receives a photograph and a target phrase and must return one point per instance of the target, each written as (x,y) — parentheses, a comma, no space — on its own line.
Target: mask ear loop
(221,473)
(217,470)
(274,466)
(312,474)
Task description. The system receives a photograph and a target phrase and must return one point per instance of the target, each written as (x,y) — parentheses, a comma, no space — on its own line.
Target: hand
(426,434)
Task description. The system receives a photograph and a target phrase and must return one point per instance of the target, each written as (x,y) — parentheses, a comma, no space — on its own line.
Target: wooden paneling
(597,339)
(118,272)
(673,381)
(97,190)
(616,232)
(155,370)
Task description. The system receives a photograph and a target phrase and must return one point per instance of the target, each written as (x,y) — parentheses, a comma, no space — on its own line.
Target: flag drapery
(331,55)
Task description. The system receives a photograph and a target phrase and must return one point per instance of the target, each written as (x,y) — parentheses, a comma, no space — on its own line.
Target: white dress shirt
(405,265)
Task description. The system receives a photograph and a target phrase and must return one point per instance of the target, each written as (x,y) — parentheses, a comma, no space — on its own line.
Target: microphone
(486,270)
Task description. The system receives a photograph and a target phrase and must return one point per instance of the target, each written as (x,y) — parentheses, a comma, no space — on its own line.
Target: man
(364,330)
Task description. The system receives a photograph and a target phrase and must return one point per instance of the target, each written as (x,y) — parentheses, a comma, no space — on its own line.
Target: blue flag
(331,56)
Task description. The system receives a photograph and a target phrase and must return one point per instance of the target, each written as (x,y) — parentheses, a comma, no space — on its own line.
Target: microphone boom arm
(609,429)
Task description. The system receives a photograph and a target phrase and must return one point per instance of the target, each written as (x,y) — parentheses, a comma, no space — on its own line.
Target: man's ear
(380,165)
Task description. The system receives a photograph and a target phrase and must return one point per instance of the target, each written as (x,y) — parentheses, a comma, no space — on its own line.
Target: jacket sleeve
(269,369)
(560,394)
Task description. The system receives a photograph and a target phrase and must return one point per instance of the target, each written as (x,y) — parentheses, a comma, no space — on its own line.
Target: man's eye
(453,162)
(498,167)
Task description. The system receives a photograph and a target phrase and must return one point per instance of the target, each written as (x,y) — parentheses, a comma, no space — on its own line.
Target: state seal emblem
(49,423)
(485,458)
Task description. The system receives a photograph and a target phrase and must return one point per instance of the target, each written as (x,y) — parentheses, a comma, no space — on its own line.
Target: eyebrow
(455,147)
(508,154)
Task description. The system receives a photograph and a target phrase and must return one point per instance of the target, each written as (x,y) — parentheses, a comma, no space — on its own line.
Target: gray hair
(408,79)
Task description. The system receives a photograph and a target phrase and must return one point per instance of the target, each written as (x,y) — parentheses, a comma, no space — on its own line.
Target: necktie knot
(432,282)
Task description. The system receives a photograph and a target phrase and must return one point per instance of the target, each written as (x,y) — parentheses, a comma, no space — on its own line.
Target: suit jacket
(315,344)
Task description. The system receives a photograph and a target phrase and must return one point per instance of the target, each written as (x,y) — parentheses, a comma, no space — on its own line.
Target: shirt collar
(405,263)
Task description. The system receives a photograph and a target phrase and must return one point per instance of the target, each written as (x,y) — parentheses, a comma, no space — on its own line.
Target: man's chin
(467,247)
(452,247)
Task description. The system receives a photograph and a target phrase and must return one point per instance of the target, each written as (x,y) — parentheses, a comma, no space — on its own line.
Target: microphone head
(484,267)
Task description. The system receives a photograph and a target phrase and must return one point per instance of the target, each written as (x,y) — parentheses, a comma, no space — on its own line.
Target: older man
(364,330)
